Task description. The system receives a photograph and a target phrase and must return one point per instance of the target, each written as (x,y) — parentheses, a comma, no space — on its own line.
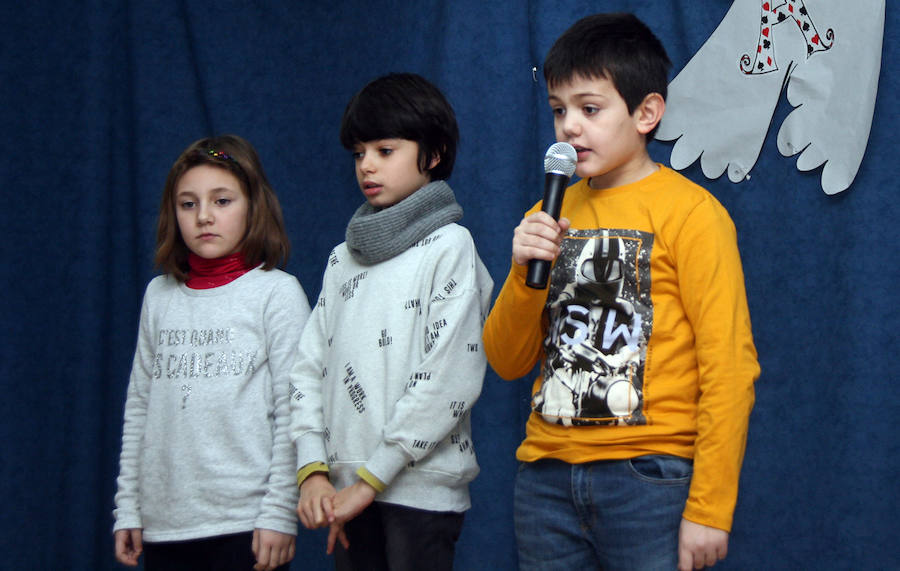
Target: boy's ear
(649,112)
(435,159)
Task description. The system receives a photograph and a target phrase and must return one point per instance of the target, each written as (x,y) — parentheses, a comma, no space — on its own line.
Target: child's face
(212,211)
(388,170)
(590,115)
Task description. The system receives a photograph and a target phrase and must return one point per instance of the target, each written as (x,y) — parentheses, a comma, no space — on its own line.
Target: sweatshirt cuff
(310,448)
(387,461)
(127,522)
(310,469)
(286,525)
(370,479)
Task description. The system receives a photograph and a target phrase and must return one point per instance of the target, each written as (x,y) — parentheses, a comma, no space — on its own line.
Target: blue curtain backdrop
(99,98)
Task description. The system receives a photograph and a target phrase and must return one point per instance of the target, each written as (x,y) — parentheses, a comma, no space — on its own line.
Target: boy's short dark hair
(404,106)
(618,47)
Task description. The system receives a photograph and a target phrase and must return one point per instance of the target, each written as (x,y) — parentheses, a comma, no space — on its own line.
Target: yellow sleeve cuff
(310,469)
(370,479)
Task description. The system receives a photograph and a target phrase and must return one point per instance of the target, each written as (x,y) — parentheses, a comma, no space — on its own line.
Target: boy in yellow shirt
(636,438)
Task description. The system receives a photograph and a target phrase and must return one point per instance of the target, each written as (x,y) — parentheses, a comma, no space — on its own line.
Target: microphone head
(560,158)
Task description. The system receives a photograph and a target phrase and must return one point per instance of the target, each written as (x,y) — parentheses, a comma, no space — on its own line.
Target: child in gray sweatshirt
(391,359)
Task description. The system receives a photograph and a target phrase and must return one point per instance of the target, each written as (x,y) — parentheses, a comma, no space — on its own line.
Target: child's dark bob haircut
(617,47)
(265,241)
(404,106)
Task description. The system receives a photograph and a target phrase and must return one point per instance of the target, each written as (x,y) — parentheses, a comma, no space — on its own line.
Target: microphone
(559,166)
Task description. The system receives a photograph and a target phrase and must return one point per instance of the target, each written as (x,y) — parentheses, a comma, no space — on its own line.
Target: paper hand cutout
(720,105)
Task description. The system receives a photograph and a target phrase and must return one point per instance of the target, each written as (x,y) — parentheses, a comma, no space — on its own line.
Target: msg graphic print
(600,318)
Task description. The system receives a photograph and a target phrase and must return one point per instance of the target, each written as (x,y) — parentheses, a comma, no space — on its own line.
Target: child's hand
(313,492)
(344,506)
(337,533)
(538,238)
(349,502)
(700,546)
(129,546)
(271,549)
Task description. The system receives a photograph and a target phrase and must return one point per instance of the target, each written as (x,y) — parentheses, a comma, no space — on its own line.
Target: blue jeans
(620,515)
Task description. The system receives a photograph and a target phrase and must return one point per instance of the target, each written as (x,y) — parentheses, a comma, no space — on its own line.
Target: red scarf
(206,274)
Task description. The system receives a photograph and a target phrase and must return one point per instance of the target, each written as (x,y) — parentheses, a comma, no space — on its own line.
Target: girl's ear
(649,113)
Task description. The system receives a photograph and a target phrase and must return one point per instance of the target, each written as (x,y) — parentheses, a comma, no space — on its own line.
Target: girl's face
(388,170)
(212,211)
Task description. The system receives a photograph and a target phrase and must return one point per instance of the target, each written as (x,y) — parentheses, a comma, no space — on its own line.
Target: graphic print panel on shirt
(192,355)
(600,318)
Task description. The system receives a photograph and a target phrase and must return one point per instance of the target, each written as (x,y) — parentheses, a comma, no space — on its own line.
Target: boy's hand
(349,502)
(700,546)
(336,533)
(538,238)
(129,546)
(271,549)
(344,506)
(313,492)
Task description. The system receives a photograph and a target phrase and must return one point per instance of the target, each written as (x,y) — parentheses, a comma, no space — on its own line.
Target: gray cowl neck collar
(375,235)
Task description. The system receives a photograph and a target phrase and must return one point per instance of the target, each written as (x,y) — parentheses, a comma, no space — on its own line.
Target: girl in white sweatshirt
(207,469)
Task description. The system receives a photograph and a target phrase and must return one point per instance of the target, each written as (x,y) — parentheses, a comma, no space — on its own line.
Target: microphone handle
(554,190)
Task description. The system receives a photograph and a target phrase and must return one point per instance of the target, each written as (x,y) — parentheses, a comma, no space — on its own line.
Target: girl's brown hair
(265,241)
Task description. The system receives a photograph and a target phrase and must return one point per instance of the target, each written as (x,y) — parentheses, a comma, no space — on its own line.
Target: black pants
(388,537)
(220,553)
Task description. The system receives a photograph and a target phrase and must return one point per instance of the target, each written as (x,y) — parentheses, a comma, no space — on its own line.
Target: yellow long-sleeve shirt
(643,336)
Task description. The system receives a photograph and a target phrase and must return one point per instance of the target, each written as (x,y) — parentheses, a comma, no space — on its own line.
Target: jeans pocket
(662,469)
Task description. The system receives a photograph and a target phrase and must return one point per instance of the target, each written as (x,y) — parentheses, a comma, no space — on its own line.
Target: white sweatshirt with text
(205,446)
(390,365)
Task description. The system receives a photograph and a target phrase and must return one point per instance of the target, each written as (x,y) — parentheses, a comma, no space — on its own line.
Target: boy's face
(591,115)
(388,170)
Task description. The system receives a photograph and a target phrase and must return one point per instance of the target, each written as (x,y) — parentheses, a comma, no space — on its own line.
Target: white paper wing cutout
(720,105)
(834,95)
(715,110)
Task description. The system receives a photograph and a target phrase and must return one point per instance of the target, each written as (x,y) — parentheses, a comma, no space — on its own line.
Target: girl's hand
(129,546)
(272,549)
(538,238)
(314,490)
